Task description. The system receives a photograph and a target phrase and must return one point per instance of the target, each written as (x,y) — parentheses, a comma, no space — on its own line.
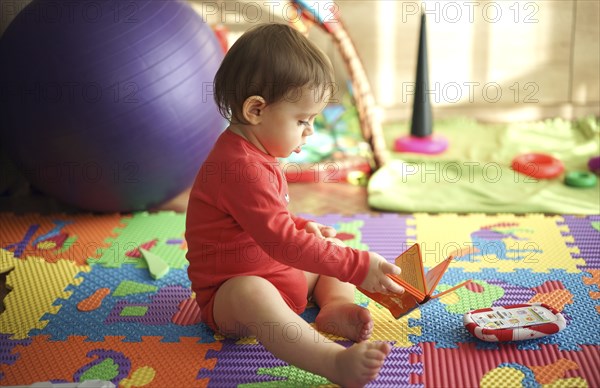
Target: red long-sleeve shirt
(238,224)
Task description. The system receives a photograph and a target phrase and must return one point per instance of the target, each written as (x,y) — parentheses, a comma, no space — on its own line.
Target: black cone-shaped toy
(421,138)
(422,125)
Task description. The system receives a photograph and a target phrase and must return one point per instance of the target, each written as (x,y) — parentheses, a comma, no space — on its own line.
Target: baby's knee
(244,292)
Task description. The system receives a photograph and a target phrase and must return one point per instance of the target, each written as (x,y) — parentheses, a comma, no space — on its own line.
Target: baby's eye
(302,122)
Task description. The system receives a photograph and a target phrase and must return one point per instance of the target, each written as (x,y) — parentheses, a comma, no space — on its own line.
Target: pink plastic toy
(432,144)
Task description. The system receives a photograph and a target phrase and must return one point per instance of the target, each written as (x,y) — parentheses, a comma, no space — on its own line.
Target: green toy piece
(580,179)
(156,265)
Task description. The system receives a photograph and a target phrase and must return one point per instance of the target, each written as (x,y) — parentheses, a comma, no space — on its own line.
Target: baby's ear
(252,109)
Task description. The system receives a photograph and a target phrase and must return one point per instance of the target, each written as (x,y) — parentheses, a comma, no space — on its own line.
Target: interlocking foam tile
(128,287)
(547,374)
(594,283)
(509,375)
(93,301)
(387,328)
(188,312)
(468,298)
(237,363)
(289,376)
(402,368)
(87,234)
(385,234)
(107,320)
(35,284)
(352,231)
(257,367)
(505,242)
(443,325)
(173,364)
(7,357)
(140,229)
(466,366)
(585,238)
(141,331)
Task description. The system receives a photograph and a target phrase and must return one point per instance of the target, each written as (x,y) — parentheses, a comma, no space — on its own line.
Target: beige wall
(501,60)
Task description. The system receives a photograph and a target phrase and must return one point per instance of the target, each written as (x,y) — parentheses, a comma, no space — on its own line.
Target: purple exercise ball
(107,105)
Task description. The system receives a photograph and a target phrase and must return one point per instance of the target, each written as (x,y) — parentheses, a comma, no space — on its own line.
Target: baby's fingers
(336,241)
(328,231)
(390,268)
(313,227)
(391,286)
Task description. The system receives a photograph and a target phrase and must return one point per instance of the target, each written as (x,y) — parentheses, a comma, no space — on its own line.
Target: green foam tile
(128,287)
(140,228)
(134,311)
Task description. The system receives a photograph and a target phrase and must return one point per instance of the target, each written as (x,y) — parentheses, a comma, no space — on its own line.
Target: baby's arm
(259,210)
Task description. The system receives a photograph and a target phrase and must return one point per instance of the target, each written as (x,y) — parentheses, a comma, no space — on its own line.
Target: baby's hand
(320,230)
(377,280)
(336,241)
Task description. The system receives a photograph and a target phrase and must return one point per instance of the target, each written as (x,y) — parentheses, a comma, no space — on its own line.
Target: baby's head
(273,61)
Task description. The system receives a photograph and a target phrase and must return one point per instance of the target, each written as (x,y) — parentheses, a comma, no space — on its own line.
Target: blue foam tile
(163,303)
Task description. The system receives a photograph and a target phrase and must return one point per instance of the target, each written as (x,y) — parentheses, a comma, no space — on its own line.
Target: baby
(253,264)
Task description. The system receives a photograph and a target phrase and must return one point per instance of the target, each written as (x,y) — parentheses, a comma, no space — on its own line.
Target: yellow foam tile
(35,284)
(532,242)
(388,328)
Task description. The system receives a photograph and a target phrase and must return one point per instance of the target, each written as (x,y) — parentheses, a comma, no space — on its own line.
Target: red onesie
(238,224)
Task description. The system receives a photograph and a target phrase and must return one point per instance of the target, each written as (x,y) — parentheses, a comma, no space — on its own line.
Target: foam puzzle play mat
(82,303)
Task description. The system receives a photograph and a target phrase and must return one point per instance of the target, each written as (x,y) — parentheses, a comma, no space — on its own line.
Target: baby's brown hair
(272,61)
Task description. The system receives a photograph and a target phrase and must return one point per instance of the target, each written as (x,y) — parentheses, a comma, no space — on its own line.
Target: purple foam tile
(397,369)
(239,363)
(586,238)
(386,234)
(164,304)
(513,294)
(329,219)
(7,345)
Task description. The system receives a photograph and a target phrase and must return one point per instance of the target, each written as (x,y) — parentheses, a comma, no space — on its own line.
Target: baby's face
(286,124)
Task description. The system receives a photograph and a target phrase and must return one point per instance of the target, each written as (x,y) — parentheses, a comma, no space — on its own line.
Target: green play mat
(474,174)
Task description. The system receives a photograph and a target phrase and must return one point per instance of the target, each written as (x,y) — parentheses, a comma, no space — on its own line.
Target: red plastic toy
(540,166)
(514,323)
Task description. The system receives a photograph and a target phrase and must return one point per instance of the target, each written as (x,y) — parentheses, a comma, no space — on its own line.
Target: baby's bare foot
(359,364)
(346,320)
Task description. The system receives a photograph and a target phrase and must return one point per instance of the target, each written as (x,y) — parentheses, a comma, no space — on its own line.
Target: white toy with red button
(514,323)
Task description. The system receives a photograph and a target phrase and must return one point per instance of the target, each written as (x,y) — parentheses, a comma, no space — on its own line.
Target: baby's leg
(251,305)
(339,314)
